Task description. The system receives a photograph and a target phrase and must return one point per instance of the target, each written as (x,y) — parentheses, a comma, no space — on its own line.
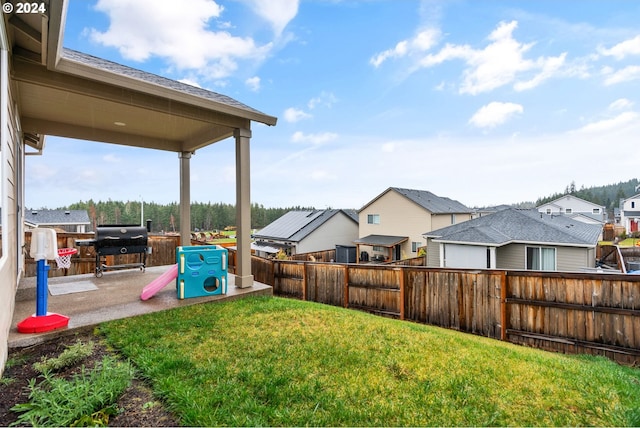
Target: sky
(484,102)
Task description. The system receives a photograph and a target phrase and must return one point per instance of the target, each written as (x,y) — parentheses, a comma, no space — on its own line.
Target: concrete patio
(88,300)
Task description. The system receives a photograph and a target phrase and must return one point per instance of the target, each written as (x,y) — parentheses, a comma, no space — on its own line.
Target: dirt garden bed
(136,406)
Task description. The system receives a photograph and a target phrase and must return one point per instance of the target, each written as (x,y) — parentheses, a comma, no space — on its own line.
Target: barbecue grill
(118,240)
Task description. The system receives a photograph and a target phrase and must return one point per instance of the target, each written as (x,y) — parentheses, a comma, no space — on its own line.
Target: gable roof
(56,217)
(429,201)
(515,225)
(296,225)
(558,202)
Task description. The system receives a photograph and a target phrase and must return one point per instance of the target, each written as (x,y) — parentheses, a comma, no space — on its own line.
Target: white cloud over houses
(617,123)
(293,115)
(622,49)
(315,139)
(626,74)
(501,62)
(621,104)
(494,114)
(253,83)
(278,13)
(178,33)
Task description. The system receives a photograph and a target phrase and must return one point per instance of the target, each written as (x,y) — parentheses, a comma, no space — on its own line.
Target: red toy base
(40,323)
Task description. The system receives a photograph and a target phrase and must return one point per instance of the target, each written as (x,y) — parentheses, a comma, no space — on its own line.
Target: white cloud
(326,99)
(621,104)
(277,12)
(494,114)
(111,158)
(623,49)
(315,139)
(178,33)
(501,62)
(253,83)
(294,115)
(626,74)
(423,41)
(614,124)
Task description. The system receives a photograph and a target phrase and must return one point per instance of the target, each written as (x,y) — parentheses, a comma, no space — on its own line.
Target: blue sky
(485,102)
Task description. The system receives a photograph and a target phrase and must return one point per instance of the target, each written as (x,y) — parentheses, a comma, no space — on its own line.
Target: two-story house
(630,213)
(391,225)
(576,208)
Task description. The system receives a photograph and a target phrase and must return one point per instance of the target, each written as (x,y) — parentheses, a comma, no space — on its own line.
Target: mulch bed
(137,406)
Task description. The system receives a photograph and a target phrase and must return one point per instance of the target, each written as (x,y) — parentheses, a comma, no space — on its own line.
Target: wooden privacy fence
(163,252)
(563,312)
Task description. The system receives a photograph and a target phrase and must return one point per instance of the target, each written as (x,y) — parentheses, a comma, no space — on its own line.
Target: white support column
(244,278)
(185,199)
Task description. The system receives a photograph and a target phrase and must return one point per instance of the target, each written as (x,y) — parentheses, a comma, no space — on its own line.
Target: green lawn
(283,362)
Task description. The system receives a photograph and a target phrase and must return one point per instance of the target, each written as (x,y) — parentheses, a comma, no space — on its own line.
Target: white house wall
(338,230)
(10,188)
(575,205)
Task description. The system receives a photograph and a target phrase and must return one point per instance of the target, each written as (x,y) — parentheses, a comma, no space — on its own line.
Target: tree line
(166,218)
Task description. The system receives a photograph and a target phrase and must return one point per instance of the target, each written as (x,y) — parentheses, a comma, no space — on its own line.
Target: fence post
(346,286)
(401,284)
(503,306)
(304,281)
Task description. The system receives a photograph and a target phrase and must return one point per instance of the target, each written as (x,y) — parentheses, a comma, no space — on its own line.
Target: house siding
(433,253)
(399,216)
(510,257)
(9,153)
(575,259)
(338,230)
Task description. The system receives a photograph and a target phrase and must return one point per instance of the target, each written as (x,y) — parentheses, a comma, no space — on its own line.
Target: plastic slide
(159,283)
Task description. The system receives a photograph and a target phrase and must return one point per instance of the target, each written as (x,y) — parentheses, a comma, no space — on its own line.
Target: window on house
(373,218)
(541,258)
(633,204)
(415,246)
(548,210)
(453,219)
(379,249)
(596,211)
(568,210)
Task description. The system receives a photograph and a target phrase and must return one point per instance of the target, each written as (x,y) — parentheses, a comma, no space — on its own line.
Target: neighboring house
(392,224)
(46,89)
(67,220)
(578,208)
(307,231)
(515,239)
(630,214)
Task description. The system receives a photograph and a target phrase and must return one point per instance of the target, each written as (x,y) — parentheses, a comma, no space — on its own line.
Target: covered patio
(89,301)
(65,93)
(379,243)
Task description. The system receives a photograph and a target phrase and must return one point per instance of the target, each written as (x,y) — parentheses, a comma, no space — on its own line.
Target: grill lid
(120,235)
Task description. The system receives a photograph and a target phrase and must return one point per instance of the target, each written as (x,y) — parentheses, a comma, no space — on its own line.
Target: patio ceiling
(69,94)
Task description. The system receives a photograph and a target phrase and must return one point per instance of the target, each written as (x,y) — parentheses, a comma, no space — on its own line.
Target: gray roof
(429,201)
(56,217)
(514,225)
(381,240)
(294,226)
(144,76)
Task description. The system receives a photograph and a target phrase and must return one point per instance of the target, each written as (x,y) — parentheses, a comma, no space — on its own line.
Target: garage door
(465,256)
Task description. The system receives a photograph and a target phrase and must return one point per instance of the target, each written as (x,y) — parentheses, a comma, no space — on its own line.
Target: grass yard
(283,362)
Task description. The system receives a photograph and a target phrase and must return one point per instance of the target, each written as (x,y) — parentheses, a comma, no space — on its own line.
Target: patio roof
(381,240)
(71,94)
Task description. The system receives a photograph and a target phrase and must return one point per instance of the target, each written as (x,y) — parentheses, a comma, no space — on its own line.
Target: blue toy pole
(42,288)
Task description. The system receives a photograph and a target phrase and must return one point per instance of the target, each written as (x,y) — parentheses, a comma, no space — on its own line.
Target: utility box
(202,271)
(345,254)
